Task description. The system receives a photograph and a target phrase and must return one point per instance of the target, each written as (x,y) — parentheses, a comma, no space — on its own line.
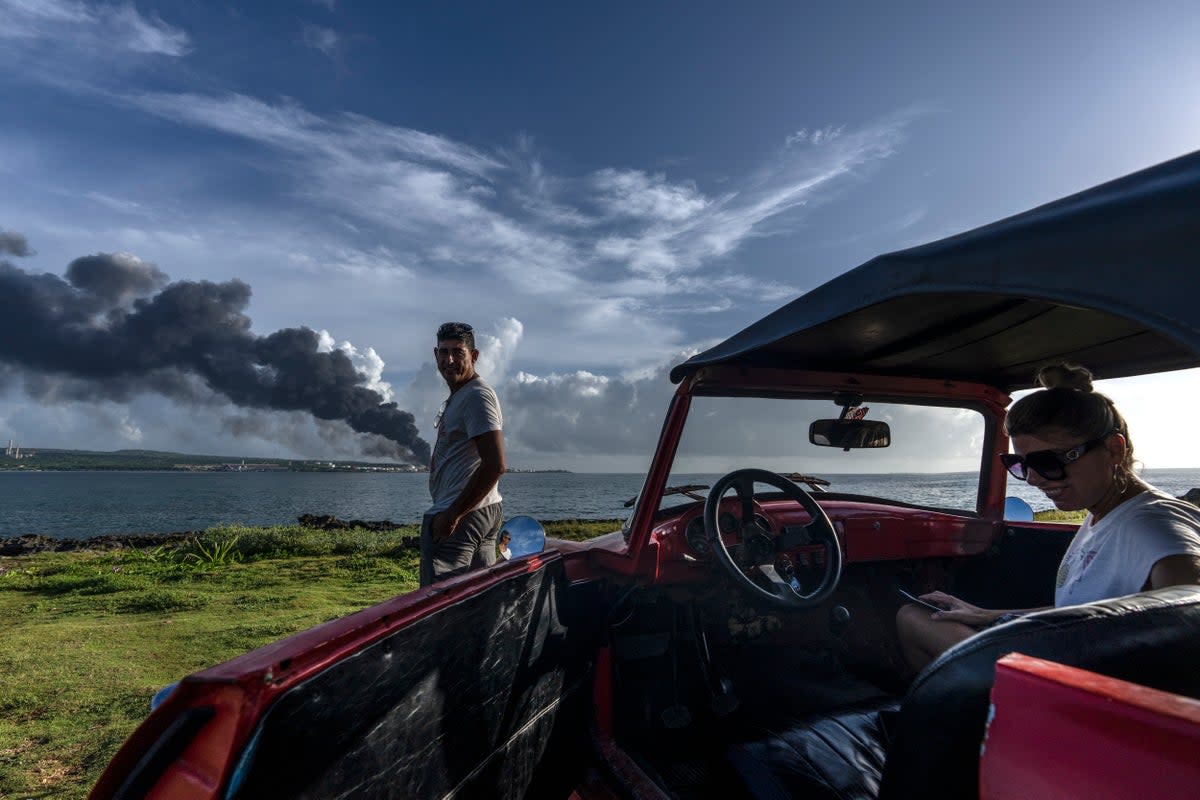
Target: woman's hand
(956,610)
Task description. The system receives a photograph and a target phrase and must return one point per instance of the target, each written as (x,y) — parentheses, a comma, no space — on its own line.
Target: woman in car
(1073,444)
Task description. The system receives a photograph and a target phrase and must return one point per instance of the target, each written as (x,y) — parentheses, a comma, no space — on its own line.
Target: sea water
(82,504)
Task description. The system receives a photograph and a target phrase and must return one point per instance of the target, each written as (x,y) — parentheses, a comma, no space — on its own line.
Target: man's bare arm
(490,447)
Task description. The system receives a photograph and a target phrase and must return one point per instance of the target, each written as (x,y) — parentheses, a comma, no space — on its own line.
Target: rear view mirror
(525,535)
(849,433)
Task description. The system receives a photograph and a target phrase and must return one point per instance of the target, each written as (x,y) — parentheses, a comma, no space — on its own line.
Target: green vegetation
(580,530)
(1054,515)
(90,636)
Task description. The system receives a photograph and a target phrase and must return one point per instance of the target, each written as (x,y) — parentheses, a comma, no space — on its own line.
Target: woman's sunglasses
(1050,464)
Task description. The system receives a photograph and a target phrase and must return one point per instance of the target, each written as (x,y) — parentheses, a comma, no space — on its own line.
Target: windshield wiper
(811,481)
(688,489)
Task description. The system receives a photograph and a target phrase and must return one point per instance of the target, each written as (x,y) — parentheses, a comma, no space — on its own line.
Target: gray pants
(471,546)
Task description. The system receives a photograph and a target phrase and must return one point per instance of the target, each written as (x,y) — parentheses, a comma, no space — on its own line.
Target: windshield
(933,459)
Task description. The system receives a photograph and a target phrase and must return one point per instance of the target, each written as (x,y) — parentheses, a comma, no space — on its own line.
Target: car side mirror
(525,534)
(849,433)
(1017,510)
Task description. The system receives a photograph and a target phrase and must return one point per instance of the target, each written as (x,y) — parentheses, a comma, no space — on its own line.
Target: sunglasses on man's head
(1050,464)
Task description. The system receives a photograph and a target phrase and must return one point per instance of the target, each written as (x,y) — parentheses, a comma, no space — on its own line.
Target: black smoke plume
(14,244)
(116,321)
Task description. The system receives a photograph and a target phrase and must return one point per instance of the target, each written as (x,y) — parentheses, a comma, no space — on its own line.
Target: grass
(1054,515)
(581,530)
(90,636)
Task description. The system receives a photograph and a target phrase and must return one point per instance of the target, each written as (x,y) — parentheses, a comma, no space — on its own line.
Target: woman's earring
(1120,478)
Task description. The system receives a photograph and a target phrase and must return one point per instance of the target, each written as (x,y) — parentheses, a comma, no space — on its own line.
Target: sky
(600,189)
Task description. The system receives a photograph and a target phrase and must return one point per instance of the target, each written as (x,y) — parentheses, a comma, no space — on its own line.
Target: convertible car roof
(1106,278)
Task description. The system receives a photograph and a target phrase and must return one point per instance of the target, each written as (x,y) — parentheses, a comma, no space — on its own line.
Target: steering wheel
(758,570)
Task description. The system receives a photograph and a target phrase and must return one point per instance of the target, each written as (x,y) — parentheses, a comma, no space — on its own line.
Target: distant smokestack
(116,317)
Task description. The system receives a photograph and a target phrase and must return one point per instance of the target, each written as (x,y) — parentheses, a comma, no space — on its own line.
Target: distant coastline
(55,460)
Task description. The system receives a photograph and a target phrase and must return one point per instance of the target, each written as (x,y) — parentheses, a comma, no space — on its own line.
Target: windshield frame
(776,383)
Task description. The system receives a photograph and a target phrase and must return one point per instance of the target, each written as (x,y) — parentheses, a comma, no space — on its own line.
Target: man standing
(459,530)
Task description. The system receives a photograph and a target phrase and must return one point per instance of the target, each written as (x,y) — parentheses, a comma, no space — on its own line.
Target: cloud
(58,389)
(649,197)
(432,194)
(299,433)
(378,263)
(153,422)
(366,361)
(351,141)
(814,136)
(541,194)
(114,279)
(128,430)
(741,284)
(581,413)
(116,327)
(141,35)
(82,48)
(119,27)
(117,204)
(696,233)
(324,39)
(14,244)
(614,257)
(497,350)
(503,212)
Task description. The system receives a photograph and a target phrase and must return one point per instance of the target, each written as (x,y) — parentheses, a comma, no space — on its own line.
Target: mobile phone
(912,598)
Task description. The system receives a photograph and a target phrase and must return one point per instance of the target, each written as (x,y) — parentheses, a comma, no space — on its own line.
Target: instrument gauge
(728,523)
(697,539)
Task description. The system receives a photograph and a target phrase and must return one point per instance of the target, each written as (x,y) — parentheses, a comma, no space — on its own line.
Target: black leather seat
(832,756)
(929,748)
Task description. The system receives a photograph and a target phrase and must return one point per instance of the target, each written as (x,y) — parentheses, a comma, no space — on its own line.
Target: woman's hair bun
(1065,376)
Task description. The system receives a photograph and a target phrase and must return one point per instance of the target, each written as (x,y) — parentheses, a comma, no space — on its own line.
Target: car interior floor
(690,679)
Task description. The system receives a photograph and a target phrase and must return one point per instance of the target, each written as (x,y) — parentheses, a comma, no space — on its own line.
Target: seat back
(1152,638)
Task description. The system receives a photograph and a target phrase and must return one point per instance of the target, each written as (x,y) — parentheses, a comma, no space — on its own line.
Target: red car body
(564,673)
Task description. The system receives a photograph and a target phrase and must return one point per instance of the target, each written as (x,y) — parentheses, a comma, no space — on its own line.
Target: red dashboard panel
(883,533)
(868,531)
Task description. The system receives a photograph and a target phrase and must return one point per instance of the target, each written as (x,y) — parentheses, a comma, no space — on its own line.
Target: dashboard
(867,532)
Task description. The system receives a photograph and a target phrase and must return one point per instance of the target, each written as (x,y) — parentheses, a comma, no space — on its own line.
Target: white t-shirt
(1114,556)
(471,411)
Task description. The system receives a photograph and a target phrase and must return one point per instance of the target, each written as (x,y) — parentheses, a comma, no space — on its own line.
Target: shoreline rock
(30,543)
(327,522)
